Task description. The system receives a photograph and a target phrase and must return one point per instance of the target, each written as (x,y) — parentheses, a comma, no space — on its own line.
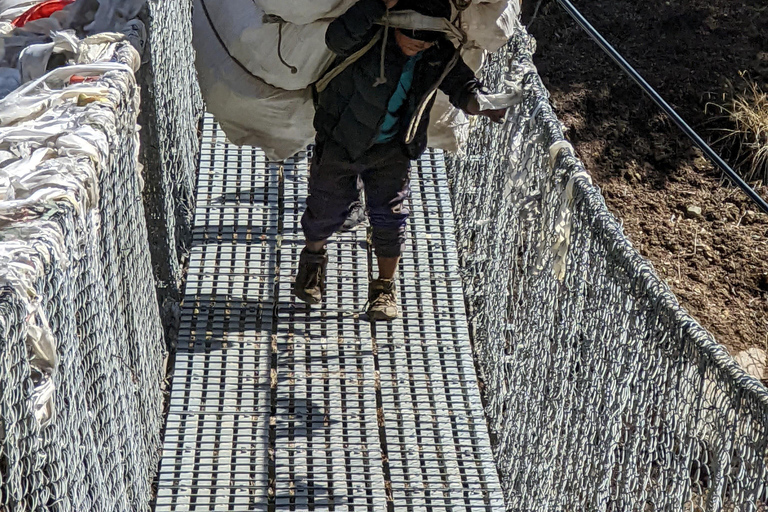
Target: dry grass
(748,112)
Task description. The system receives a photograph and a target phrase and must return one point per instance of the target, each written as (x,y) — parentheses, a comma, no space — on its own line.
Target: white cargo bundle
(249,110)
(301,12)
(26,50)
(255,43)
(490,24)
(256,72)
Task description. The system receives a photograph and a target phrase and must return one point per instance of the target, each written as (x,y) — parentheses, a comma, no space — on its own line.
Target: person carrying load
(372,114)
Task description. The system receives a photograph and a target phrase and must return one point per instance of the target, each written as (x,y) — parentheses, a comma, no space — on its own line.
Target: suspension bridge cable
(656,97)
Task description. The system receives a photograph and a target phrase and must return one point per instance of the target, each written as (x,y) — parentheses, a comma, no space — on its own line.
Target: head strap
(412,20)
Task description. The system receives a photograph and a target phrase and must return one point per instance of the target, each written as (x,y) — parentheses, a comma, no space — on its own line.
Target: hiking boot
(355,218)
(310,279)
(382,302)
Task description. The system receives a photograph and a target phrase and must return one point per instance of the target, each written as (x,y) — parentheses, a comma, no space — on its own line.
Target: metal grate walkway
(278,406)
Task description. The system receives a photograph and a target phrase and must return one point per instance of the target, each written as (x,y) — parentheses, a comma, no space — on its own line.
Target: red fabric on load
(40,11)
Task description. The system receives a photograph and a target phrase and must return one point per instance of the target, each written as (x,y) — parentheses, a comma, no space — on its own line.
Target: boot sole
(376,316)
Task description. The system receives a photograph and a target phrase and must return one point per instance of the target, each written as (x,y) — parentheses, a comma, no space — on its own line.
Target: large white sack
(302,12)
(447,123)
(255,44)
(490,25)
(249,110)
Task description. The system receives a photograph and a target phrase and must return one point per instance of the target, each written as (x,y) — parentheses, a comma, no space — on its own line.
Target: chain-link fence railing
(602,393)
(81,344)
(171,111)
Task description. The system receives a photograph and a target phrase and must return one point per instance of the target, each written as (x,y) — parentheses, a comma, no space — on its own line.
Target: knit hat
(432,8)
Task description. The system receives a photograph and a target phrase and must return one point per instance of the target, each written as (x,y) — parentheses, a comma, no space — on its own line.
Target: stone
(693,212)
(754,361)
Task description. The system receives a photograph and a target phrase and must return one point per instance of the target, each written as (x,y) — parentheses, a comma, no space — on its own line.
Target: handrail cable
(656,97)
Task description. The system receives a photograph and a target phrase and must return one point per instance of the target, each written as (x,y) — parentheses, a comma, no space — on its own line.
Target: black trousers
(384,170)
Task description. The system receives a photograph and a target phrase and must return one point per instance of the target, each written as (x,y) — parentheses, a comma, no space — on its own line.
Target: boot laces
(383,297)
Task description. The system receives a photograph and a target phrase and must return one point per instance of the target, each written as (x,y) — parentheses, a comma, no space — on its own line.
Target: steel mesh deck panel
(279,406)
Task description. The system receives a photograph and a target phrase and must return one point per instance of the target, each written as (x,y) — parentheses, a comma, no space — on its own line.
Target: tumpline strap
(322,84)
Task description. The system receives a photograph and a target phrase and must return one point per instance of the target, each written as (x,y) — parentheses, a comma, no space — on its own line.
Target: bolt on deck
(276,405)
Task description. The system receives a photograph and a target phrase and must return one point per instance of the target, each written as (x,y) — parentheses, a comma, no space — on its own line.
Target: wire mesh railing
(603,394)
(82,353)
(171,110)
(81,344)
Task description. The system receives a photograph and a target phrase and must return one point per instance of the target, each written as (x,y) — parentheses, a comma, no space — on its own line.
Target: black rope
(618,59)
(274,18)
(226,48)
(293,69)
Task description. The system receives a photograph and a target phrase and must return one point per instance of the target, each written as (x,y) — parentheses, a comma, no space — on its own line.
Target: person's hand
(496,115)
(390,3)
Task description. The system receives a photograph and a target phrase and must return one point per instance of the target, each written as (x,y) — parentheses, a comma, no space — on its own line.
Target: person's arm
(462,88)
(350,31)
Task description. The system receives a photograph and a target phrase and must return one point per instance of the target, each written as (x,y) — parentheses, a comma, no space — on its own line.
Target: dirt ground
(693,52)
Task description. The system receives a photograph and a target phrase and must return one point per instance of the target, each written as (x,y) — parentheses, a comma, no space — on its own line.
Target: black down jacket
(350,111)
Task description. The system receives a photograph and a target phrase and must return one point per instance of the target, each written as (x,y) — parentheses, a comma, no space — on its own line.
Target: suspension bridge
(540,363)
